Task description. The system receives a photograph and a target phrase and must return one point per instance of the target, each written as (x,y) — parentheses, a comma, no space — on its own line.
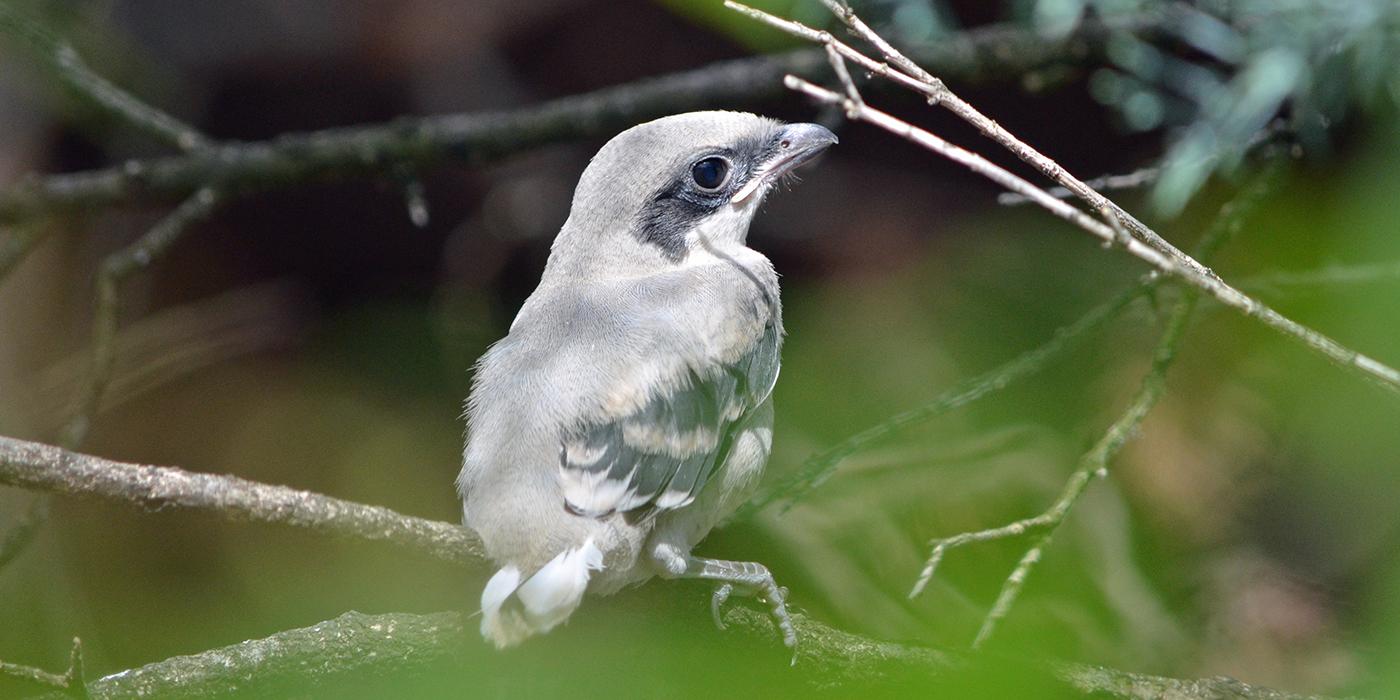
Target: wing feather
(660,456)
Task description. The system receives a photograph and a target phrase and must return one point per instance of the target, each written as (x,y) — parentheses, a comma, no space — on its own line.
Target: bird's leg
(743,577)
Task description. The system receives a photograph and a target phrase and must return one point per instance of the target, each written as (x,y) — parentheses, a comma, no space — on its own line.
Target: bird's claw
(768,591)
(776,596)
(717,602)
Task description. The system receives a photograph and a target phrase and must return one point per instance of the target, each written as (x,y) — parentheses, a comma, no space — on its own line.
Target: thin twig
(113,270)
(76,676)
(416,143)
(1276,130)
(938,94)
(169,345)
(1145,244)
(30,674)
(1368,367)
(818,468)
(1366,273)
(1126,181)
(1096,462)
(70,683)
(46,468)
(74,73)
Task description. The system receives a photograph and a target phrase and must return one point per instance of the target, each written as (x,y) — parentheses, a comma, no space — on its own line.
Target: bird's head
(659,190)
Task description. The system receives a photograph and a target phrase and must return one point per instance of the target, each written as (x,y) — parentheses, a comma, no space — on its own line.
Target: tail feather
(512,610)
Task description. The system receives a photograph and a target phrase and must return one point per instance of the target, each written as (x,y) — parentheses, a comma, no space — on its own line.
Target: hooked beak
(797,144)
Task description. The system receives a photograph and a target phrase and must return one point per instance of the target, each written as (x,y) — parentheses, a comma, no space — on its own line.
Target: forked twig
(1096,462)
(818,468)
(114,269)
(1125,181)
(70,683)
(1144,244)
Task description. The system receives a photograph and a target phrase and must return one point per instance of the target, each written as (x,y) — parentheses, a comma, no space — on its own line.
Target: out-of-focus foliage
(1231,67)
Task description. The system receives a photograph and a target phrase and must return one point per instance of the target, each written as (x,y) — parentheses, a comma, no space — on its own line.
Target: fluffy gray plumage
(628,410)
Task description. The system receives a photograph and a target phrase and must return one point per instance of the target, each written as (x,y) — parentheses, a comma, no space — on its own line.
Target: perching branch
(356,644)
(39,467)
(1142,242)
(402,642)
(417,143)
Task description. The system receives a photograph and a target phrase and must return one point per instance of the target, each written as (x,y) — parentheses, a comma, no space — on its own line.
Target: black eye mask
(685,201)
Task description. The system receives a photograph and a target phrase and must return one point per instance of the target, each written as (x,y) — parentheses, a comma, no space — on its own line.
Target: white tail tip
(512,611)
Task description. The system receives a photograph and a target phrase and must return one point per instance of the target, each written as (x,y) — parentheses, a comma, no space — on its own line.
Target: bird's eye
(710,173)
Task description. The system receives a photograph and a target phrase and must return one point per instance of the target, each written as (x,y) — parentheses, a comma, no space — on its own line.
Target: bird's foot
(747,578)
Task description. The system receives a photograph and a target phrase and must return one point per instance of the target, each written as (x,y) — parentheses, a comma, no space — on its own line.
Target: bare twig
(29,674)
(1145,244)
(1096,461)
(169,345)
(39,467)
(1146,176)
(1334,275)
(1126,181)
(818,468)
(113,270)
(70,69)
(417,143)
(69,684)
(938,94)
(1384,375)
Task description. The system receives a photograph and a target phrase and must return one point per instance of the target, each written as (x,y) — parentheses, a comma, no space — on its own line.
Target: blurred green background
(1250,529)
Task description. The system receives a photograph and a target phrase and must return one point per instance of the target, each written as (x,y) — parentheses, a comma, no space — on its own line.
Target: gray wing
(659,457)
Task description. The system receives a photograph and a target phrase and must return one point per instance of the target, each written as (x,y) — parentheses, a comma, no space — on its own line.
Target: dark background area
(1250,529)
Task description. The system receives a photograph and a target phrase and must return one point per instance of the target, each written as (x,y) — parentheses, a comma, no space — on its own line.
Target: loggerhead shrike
(627,411)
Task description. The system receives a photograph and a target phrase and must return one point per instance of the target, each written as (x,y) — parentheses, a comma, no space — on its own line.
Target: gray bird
(627,411)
